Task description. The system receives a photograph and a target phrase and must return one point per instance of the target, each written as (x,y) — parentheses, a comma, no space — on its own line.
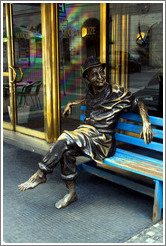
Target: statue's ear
(86,78)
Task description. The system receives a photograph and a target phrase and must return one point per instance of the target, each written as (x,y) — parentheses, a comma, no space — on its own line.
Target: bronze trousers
(64,151)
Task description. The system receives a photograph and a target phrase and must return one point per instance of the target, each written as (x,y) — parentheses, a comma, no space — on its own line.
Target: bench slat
(83,107)
(121,159)
(134,167)
(144,162)
(82,117)
(137,129)
(136,117)
(138,156)
(138,142)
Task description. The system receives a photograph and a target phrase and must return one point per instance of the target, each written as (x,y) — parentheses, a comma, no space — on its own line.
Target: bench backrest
(132,123)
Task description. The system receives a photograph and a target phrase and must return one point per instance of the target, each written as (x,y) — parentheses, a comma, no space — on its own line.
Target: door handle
(21,72)
(14,74)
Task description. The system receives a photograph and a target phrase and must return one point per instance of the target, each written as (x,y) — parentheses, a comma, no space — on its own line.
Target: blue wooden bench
(137,163)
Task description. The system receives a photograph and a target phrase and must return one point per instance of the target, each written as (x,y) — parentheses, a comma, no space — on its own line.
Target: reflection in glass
(28,56)
(6,95)
(136,51)
(4,22)
(5,61)
(6,99)
(79,36)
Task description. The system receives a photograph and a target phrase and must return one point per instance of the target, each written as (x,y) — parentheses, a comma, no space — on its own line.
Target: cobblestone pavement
(153,234)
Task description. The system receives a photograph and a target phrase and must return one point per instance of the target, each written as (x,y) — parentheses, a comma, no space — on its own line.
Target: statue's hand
(67,110)
(147,133)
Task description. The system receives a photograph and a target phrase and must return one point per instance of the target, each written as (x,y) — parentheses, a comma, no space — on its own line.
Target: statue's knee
(62,136)
(69,153)
(66,139)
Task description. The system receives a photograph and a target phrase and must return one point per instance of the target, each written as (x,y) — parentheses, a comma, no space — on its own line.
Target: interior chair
(35,93)
(23,94)
(31,90)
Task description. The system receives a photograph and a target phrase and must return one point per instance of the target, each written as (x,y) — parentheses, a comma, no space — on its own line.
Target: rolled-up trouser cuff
(44,168)
(70,176)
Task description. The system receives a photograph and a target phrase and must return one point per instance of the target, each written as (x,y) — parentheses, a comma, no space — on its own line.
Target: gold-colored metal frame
(55,71)
(49,21)
(124,35)
(6,74)
(120,33)
(49,16)
(10,73)
(103,47)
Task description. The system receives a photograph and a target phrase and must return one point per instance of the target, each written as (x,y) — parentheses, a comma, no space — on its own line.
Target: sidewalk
(152,234)
(104,213)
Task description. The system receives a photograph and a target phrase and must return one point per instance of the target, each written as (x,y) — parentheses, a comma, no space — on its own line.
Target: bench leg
(158,201)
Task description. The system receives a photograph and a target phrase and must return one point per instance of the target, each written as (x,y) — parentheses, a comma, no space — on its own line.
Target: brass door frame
(103,19)
(49,22)
(49,16)
(10,73)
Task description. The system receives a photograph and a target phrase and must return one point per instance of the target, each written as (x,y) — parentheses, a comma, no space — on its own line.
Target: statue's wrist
(147,123)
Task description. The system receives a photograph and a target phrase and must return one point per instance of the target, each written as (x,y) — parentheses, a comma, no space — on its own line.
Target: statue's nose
(99,75)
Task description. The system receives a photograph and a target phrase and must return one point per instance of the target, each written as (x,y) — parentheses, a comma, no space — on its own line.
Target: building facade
(44,45)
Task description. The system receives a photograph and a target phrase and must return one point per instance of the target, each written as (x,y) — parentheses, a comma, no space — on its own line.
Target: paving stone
(153,234)
(150,233)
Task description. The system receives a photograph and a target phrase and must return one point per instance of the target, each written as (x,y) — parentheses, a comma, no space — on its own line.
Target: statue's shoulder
(118,89)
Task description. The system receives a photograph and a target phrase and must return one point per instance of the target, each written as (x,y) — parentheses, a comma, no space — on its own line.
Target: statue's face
(96,76)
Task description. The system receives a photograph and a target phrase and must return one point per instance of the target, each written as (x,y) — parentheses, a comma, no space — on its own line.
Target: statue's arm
(67,109)
(147,128)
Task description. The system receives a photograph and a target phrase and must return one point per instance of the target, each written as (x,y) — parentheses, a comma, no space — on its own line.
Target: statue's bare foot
(66,200)
(34,181)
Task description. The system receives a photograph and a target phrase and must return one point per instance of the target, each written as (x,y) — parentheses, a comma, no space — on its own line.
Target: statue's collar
(90,89)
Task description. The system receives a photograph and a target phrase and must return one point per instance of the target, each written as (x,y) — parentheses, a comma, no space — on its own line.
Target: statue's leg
(69,174)
(48,163)
(55,154)
(36,179)
(70,197)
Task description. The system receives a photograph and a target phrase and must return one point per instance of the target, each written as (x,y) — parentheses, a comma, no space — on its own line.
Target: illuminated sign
(90,30)
(71,32)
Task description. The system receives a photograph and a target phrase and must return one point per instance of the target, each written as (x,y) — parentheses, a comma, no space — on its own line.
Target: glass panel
(136,51)
(28,56)
(6,100)
(4,22)
(79,38)
(5,60)
(6,97)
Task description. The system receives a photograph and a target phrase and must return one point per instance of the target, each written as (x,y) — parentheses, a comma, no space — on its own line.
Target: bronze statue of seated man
(104,103)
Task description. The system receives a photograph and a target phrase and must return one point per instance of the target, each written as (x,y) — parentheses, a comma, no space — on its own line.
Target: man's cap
(89,63)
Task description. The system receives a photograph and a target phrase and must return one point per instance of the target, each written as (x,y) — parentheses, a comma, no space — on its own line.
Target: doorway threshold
(26,142)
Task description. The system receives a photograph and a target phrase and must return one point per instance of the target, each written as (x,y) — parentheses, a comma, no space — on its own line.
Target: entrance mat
(104,212)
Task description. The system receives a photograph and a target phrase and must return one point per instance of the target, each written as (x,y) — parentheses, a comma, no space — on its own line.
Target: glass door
(22,69)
